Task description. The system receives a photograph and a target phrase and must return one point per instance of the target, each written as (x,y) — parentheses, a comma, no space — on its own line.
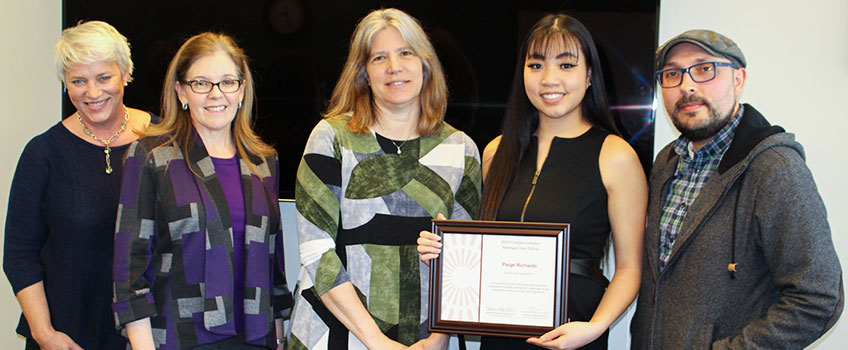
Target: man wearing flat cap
(738,251)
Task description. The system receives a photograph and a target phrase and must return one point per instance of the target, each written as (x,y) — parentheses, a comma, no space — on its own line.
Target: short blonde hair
(89,42)
(352,95)
(176,122)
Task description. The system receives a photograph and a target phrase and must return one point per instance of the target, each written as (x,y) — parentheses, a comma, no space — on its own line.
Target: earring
(239,105)
(64,88)
(185,106)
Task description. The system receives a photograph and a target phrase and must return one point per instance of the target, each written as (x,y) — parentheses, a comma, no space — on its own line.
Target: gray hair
(89,42)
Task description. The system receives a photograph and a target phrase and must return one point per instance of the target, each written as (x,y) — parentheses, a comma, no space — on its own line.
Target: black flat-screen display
(298,47)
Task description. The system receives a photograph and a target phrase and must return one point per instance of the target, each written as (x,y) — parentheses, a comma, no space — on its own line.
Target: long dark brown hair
(522,118)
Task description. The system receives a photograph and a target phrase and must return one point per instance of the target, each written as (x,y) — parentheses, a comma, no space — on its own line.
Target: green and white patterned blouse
(360,207)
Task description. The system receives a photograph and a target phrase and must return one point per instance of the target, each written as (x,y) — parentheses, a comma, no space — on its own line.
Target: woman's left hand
(571,335)
(436,341)
(428,244)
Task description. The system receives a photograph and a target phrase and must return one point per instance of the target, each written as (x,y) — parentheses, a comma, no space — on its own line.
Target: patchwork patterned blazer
(174,247)
(361,202)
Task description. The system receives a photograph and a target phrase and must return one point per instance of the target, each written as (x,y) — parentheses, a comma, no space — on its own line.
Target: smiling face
(97,91)
(556,78)
(395,72)
(211,112)
(700,110)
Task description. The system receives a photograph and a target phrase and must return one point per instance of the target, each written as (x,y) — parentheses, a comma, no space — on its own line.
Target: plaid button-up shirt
(693,170)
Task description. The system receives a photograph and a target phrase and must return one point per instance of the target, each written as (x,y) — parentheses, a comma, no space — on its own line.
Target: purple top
(230,178)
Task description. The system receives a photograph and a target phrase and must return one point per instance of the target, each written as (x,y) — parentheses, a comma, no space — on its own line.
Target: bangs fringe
(550,39)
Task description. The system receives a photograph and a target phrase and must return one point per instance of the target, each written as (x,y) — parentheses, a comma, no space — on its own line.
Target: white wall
(30,96)
(798,71)
(797,56)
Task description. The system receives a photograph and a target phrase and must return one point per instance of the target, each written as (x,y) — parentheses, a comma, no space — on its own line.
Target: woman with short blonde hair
(61,216)
(90,42)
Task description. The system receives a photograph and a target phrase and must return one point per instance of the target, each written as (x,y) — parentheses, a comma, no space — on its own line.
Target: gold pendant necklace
(106,143)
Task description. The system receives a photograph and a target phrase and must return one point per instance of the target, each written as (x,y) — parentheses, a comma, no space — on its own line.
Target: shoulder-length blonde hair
(352,95)
(176,122)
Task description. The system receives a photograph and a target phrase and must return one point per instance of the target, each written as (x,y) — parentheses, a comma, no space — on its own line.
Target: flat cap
(714,43)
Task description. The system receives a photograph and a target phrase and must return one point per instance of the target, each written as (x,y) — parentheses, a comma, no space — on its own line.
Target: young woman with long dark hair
(560,159)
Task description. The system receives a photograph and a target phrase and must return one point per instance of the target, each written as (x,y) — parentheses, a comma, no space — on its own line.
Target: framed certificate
(499,278)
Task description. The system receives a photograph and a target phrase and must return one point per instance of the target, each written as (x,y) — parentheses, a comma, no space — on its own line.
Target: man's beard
(706,129)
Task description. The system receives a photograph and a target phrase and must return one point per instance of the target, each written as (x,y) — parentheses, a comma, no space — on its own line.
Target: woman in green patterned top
(375,171)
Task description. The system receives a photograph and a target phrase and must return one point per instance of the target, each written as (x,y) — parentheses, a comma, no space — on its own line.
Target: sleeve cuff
(136,308)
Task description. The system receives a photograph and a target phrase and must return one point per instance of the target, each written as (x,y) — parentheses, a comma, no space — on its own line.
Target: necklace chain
(399,146)
(106,142)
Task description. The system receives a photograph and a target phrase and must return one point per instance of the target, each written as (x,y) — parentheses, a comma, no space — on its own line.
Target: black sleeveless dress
(569,189)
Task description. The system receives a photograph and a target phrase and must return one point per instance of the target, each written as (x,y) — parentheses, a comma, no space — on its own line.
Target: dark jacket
(173,247)
(762,211)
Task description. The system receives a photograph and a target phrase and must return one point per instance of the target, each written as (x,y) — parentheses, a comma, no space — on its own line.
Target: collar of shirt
(716,147)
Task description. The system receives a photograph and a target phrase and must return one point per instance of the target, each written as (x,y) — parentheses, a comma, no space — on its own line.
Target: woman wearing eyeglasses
(198,248)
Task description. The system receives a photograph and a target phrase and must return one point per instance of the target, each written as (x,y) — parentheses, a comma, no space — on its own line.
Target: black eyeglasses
(700,73)
(205,86)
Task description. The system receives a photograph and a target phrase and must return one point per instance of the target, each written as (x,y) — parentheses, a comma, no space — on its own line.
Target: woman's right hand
(37,313)
(436,341)
(55,340)
(387,344)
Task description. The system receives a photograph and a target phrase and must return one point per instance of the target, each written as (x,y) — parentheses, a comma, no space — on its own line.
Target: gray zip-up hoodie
(760,211)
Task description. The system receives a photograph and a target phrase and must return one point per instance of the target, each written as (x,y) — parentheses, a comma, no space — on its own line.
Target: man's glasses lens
(700,73)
